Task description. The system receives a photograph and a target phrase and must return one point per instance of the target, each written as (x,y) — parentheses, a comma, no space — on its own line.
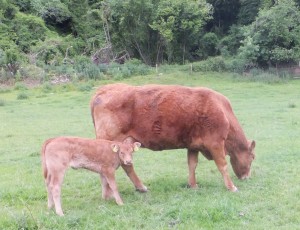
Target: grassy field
(270,199)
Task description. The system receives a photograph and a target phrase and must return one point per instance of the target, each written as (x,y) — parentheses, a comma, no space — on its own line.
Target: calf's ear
(115,148)
(136,146)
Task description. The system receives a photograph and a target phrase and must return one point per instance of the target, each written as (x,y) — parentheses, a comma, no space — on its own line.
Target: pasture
(270,199)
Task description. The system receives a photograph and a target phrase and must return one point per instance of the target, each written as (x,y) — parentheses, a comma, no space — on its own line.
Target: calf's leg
(139,186)
(110,177)
(49,192)
(192,163)
(55,187)
(106,191)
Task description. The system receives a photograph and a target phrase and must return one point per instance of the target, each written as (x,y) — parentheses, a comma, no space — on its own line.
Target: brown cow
(100,156)
(173,117)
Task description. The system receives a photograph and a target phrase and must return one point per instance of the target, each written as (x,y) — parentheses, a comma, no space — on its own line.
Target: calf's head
(241,161)
(125,151)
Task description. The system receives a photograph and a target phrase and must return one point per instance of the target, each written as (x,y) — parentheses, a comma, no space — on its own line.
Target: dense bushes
(53,38)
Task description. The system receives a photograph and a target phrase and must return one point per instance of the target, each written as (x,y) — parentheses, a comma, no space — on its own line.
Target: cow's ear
(115,148)
(252,146)
(136,146)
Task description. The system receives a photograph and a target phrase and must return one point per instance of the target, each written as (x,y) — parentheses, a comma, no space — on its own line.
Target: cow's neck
(236,140)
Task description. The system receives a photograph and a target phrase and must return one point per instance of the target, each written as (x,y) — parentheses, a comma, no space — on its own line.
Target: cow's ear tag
(137,146)
(115,148)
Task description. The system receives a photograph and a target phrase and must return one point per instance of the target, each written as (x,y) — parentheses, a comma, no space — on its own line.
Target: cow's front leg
(220,160)
(192,163)
(134,178)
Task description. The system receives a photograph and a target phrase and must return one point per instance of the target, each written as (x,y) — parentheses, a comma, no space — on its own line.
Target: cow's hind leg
(218,154)
(192,163)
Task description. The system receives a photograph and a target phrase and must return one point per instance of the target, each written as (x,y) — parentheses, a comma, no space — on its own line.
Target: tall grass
(269,113)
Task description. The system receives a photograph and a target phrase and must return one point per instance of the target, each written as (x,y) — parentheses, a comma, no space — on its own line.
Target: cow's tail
(44,165)
(92,105)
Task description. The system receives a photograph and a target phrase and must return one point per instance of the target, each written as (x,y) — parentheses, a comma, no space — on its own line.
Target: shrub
(47,87)
(20,86)
(211,64)
(2,102)
(136,67)
(22,96)
(29,30)
(85,87)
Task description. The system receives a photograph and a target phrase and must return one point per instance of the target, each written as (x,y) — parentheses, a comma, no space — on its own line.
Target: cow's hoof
(233,189)
(142,189)
(194,186)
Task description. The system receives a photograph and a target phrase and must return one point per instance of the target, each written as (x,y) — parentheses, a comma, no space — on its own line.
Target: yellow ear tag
(115,149)
(136,148)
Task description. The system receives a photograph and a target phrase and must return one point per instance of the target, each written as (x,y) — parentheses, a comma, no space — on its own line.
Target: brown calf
(99,156)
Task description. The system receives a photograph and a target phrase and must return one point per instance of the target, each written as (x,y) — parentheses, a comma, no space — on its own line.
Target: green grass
(269,113)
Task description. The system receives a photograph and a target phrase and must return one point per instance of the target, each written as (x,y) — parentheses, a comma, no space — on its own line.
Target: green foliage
(248,11)
(22,96)
(224,14)
(29,30)
(211,64)
(54,12)
(208,45)
(230,43)
(2,102)
(274,37)
(54,34)
(86,69)
(20,86)
(24,5)
(129,23)
(179,24)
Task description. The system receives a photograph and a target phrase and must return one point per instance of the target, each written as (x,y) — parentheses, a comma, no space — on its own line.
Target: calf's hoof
(120,203)
(60,213)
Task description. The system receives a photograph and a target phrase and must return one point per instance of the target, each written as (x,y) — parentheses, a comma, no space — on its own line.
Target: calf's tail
(44,166)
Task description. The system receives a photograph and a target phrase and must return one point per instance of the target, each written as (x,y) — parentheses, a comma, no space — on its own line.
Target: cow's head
(241,161)
(125,151)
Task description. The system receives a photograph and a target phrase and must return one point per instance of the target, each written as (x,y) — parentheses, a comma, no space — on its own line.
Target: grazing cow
(100,156)
(172,117)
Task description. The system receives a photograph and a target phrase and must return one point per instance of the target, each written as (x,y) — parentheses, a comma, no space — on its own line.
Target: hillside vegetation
(47,39)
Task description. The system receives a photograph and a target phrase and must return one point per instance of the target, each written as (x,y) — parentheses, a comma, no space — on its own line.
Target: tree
(276,33)
(225,14)
(130,30)
(179,23)
(248,11)
(29,30)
